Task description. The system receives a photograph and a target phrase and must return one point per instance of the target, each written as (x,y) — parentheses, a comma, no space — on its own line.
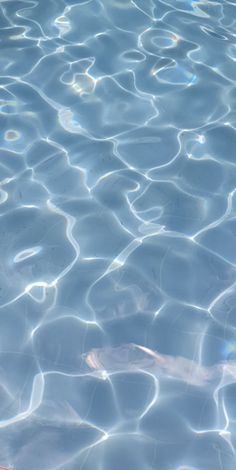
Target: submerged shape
(134,357)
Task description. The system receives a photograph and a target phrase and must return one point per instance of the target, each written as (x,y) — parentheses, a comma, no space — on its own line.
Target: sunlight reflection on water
(118,206)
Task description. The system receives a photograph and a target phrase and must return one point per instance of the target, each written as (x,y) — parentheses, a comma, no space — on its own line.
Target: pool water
(118,234)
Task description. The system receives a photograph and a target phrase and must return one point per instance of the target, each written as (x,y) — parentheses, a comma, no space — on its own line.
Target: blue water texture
(118,227)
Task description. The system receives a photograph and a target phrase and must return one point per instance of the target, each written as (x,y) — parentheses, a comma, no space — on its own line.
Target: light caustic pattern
(118,227)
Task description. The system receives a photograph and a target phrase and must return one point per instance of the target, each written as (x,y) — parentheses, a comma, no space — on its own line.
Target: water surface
(118,227)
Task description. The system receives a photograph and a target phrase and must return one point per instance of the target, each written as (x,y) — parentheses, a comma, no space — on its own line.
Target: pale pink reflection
(133,357)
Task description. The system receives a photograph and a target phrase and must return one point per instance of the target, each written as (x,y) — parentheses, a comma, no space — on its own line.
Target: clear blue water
(118,227)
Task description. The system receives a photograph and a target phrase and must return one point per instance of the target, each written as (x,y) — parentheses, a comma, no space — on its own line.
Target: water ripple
(117,209)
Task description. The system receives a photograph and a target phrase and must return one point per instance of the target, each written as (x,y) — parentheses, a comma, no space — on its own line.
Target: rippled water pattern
(118,226)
